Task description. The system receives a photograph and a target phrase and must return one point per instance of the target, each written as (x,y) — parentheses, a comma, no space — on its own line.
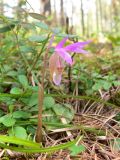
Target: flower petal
(61,43)
(56,67)
(64,55)
(57,78)
(72,47)
(79,50)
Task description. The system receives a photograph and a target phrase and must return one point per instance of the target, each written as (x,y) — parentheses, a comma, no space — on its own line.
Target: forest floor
(100,130)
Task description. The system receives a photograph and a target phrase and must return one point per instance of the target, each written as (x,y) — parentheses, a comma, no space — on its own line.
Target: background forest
(79,118)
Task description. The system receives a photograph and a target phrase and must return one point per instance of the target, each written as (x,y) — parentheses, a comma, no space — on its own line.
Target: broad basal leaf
(21,114)
(16,90)
(48,102)
(7,120)
(76,149)
(18,132)
(23,80)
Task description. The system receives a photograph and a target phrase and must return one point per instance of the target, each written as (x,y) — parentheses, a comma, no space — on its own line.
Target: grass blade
(18,141)
(34,149)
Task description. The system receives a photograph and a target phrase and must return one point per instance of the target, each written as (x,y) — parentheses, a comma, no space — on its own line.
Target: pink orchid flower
(61,55)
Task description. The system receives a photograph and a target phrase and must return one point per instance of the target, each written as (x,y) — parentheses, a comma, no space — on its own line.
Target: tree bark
(62,13)
(82,18)
(97,17)
(101,15)
(45,7)
(115,13)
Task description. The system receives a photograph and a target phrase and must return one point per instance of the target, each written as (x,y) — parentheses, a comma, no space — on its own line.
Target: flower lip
(64,55)
(57,78)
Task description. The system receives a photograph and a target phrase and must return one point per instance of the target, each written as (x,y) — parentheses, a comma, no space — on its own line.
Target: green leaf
(96,86)
(64,111)
(26,49)
(23,80)
(39,39)
(16,90)
(59,109)
(34,109)
(37,16)
(48,102)
(102,84)
(50,116)
(25,95)
(34,88)
(35,149)
(11,108)
(68,113)
(116,83)
(83,97)
(12,74)
(18,132)
(5,99)
(33,100)
(7,120)
(18,141)
(31,129)
(28,26)
(78,127)
(7,28)
(107,85)
(21,114)
(76,149)
(1,112)
(42,25)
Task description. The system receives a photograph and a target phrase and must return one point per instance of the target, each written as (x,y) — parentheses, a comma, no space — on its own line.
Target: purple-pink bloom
(64,51)
(61,54)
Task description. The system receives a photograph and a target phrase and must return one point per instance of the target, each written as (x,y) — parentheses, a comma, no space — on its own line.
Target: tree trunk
(115,13)
(62,13)
(97,17)
(82,18)
(45,7)
(101,16)
(55,14)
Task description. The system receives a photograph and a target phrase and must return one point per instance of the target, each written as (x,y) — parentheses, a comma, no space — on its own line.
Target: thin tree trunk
(115,13)
(101,16)
(82,18)
(88,25)
(97,17)
(55,14)
(45,6)
(62,13)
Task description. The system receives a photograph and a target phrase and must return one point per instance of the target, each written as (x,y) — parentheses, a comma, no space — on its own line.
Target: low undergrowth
(80,117)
